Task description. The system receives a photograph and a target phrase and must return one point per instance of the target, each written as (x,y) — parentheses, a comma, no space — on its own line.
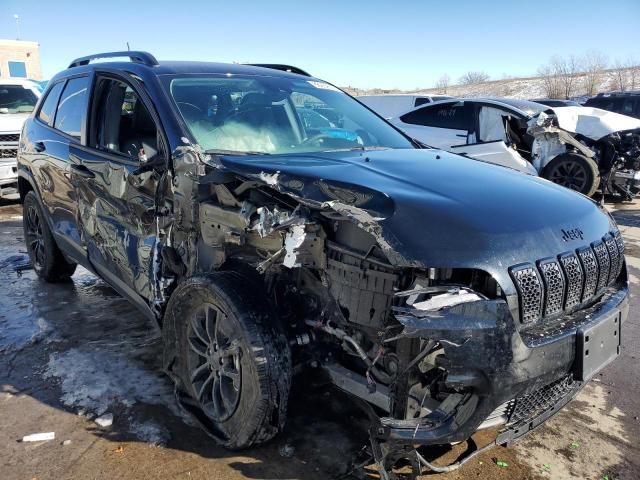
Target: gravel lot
(75,351)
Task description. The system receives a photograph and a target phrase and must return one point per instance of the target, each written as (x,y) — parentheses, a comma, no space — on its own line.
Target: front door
(116,199)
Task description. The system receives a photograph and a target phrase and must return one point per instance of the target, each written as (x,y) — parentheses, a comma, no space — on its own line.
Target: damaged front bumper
(516,379)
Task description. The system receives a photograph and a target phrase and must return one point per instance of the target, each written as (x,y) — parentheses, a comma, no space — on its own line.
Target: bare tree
(618,74)
(594,64)
(633,73)
(567,70)
(550,81)
(443,83)
(472,78)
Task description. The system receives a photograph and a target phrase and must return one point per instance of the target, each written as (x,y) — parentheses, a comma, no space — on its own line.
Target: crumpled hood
(12,122)
(434,208)
(593,123)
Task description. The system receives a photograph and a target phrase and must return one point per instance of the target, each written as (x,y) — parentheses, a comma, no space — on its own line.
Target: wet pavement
(73,351)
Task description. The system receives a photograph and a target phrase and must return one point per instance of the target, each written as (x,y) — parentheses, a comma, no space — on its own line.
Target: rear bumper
(518,379)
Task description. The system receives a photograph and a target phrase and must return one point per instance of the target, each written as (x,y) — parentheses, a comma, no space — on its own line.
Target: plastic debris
(119,449)
(287,450)
(39,437)
(502,464)
(105,420)
(480,462)
(66,442)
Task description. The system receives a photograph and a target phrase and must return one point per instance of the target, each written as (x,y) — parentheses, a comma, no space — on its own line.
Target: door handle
(81,170)
(463,135)
(39,147)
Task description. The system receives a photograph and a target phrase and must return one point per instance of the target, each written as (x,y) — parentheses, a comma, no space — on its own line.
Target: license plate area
(596,346)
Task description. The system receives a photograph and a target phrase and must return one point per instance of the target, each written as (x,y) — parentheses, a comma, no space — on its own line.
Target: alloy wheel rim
(34,235)
(571,175)
(214,362)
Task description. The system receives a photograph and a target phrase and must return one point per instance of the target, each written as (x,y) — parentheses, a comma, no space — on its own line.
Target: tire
(575,172)
(46,258)
(230,361)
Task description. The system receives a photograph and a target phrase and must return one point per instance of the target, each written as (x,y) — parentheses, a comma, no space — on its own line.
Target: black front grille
(9,137)
(559,285)
(536,403)
(8,152)
(590,267)
(602,256)
(614,256)
(530,292)
(575,279)
(553,285)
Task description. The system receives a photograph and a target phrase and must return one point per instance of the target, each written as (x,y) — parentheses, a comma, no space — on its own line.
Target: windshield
(274,115)
(16,99)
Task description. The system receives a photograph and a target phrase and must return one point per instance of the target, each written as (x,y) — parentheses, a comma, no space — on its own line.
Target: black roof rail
(135,56)
(281,67)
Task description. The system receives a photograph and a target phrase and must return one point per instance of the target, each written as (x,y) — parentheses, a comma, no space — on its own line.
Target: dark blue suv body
(445,294)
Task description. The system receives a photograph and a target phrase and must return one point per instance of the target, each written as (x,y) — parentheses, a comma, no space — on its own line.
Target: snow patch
(150,432)
(96,380)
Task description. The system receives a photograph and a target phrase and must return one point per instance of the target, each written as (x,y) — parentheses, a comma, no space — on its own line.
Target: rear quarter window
(457,116)
(72,107)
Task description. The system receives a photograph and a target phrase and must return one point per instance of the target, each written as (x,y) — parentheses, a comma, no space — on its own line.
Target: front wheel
(231,359)
(574,171)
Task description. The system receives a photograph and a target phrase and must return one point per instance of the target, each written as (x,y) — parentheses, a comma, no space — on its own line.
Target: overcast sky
(371,43)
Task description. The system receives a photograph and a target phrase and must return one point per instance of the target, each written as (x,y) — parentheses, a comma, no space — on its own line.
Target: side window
(72,107)
(457,116)
(627,107)
(48,109)
(421,101)
(123,124)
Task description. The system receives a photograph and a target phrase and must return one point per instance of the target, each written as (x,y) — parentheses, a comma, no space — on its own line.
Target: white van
(388,106)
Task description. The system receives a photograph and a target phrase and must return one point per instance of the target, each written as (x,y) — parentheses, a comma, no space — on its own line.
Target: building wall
(20,51)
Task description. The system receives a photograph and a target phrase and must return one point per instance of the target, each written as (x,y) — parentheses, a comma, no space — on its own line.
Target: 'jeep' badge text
(573,234)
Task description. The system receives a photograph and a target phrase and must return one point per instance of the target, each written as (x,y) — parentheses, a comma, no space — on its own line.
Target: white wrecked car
(581,148)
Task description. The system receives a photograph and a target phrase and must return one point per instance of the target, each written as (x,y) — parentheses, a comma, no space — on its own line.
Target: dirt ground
(72,352)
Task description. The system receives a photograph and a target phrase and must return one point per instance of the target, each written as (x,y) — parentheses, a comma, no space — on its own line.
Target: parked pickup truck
(17,100)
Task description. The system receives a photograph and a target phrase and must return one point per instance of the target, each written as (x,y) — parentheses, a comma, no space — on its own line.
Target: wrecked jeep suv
(445,295)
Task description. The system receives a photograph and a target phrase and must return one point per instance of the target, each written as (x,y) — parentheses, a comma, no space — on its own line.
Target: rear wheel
(574,171)
(231,360)
(46,258)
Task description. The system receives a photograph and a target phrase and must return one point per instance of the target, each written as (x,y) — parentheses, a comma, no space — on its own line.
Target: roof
(145,62)
(525,106)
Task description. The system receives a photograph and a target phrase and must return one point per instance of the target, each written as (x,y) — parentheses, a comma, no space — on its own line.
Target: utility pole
(17,17)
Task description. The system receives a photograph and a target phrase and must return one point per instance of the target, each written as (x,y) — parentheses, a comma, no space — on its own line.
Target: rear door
(440,125)
(58,126)
(115,196)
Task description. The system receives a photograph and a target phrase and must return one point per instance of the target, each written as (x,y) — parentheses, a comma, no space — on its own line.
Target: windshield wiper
(218,151)
(358,149)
